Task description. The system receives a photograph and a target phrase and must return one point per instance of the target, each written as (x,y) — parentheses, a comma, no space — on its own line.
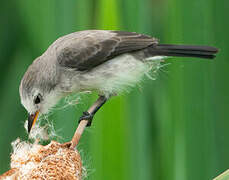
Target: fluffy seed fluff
(34,161)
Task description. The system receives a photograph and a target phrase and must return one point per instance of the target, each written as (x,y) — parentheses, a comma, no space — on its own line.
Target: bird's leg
(84,120)
(88,115)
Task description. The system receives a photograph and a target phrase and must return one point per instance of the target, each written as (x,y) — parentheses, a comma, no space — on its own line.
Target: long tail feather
(207,52)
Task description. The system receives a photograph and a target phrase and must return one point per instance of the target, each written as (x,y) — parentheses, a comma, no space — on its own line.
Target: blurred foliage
(223,176)
(174,128)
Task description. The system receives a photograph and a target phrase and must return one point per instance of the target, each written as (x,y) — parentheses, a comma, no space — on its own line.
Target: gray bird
(107,62)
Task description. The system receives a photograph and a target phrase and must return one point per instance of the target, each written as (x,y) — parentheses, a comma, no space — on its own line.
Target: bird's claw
(87,116)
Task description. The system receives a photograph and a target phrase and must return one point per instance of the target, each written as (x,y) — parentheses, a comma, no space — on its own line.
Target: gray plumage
(100,60)
(87,49)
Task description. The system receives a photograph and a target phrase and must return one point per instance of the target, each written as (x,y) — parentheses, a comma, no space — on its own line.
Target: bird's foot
(87,116)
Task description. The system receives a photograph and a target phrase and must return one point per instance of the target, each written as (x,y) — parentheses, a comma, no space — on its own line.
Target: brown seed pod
(53,161)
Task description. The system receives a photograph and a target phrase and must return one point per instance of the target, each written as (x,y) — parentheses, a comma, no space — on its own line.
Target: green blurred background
(173,128)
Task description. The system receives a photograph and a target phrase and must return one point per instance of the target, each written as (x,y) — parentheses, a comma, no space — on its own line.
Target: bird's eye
(37,100)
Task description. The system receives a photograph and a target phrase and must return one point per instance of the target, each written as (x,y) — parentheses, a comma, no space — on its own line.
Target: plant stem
(83,123)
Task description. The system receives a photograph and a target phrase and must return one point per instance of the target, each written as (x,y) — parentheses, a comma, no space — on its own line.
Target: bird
(105,61)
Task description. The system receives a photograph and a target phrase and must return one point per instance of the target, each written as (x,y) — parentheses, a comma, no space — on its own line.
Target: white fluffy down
(118,74)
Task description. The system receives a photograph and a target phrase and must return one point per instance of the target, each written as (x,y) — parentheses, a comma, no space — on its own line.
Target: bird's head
(37,92)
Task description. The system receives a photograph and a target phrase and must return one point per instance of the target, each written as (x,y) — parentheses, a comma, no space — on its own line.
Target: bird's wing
(87,49)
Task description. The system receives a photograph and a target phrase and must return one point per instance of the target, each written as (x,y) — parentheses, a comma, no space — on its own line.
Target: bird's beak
(31,120)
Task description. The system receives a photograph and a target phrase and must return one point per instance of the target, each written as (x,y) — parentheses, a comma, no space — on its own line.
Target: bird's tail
(207,52)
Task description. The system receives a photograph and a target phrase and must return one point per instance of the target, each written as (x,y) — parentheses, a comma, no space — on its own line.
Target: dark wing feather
(91,48)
